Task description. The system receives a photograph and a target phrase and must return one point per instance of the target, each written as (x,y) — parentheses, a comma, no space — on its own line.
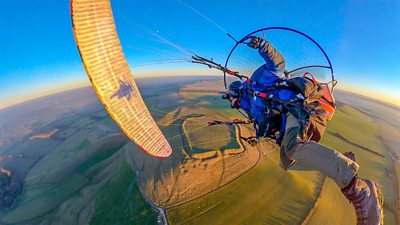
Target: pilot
(298,146)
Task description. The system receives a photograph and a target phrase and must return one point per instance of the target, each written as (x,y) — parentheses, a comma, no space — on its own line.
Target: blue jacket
(266,76)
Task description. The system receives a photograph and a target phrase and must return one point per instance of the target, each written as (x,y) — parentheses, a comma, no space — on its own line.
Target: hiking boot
(367,201)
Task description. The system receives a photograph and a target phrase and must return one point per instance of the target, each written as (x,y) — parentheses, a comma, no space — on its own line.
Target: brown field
(44,135)
(212,176)
(185,175)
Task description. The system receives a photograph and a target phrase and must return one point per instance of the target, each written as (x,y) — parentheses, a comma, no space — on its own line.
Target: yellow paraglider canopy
(107,69)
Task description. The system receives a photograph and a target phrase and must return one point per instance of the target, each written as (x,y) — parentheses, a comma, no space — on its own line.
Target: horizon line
(84,83)
(72,86)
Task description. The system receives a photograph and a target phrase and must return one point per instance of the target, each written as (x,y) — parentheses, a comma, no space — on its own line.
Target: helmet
(234,89)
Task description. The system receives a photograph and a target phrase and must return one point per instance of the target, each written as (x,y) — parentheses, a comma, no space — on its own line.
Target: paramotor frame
(331,84)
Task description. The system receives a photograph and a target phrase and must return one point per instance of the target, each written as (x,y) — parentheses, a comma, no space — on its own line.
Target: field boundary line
(315,205)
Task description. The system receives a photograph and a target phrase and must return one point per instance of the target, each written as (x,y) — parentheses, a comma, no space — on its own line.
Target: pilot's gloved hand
(252,141)
(255,42)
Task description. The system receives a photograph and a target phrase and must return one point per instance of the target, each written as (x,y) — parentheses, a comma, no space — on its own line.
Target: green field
(38,200)
(213,102)
(86,179)
(120,201)
(218,137)
(202,159)
(202,139)
(332,207)
(349,122)
(269,195)
(239,202)
(265,195)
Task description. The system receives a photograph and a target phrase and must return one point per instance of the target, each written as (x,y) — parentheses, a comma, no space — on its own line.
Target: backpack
(309,101)
(317,107)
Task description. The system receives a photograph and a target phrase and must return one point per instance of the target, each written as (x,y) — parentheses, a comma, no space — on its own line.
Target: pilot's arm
(272,57)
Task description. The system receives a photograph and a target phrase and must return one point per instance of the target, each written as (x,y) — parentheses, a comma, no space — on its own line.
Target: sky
(38,54)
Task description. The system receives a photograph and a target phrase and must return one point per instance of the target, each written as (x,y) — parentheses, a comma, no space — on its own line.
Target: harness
(265,109)
(306,99)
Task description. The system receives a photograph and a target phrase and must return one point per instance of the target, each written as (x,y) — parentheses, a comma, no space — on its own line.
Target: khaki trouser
(314,156)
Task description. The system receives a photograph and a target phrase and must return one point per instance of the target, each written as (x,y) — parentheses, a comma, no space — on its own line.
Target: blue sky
(38,54)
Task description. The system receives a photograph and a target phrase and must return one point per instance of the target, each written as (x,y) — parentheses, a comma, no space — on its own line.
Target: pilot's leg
(363,193)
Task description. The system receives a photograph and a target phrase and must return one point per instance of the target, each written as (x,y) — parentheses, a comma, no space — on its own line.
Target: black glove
(253,142)
(255,42)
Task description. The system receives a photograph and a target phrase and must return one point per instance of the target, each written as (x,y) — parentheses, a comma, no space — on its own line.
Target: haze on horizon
(85,83)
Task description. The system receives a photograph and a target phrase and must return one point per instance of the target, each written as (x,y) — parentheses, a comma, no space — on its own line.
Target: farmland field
(83,171)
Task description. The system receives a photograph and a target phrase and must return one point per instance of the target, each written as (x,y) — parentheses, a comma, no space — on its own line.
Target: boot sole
(377,194)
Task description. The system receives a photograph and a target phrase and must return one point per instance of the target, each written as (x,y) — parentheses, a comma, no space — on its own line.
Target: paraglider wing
(105,64)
